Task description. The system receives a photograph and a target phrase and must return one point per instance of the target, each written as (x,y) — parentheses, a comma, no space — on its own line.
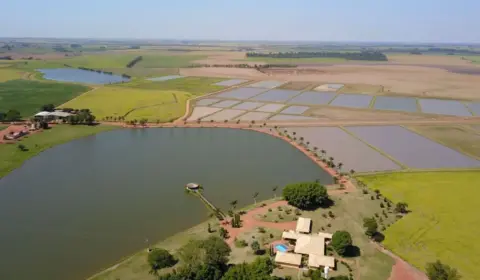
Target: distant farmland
(28,96)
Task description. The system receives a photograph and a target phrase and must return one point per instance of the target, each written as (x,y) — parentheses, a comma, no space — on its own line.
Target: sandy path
(249,222)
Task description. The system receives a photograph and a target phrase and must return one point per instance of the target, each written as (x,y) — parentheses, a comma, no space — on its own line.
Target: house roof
(304,225)
(42,114)
(60,114)
(315,260)
(310,244)
(291,235)
(325,235)
(288,258)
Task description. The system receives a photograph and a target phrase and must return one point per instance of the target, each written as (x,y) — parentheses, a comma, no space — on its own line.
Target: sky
(266,20)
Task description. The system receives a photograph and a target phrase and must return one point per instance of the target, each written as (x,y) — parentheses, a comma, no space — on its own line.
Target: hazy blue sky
(316,20)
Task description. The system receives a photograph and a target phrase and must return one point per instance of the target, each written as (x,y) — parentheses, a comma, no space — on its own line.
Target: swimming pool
(281,248)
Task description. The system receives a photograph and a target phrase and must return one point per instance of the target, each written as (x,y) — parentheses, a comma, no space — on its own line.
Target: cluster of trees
(363,55)
(341,242)
(244,65)
(134,61)
(208,260)
(10,116)
(84,116)
(98,71)
(308,195)
(7,57)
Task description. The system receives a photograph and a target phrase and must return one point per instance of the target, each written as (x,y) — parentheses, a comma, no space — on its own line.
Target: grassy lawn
(281,214)
(28,96)
(2,127)
(272,60)
(118,101)
(456,137)
(7,74)
(167,61)
(193,85)
(11,157)
(444,222)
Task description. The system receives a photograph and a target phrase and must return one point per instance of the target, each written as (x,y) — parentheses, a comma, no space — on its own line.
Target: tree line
(98,71)
(243,65)
(134,61)
(363,55)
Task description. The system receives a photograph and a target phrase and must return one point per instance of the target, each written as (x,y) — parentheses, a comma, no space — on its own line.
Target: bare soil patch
(297,85)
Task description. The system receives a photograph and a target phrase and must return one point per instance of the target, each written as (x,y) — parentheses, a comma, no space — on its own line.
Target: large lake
(82,206)
(81,76)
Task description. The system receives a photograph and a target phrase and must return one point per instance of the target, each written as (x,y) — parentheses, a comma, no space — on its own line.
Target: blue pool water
(281,248)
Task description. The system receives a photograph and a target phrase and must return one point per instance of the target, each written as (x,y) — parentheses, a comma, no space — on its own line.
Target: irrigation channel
(83,206)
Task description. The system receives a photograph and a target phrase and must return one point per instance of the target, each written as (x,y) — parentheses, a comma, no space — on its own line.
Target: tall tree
(306,195)
(255,197)
(274,189)
(158,259)
(440,271)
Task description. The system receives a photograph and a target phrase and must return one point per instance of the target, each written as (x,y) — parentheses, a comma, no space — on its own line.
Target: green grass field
(118,101)
(11,157)
(456,137)
(473,59)
(295,60)
(107,60)
(2,127)
(193,85)
(28,96)
(444,223)
(167,61)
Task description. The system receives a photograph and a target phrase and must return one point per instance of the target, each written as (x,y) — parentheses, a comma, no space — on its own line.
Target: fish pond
(84,205)
(81,76)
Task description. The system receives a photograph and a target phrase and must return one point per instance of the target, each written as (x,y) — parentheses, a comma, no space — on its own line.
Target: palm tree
(233,203)
(274,189)
(324,153)
(352,172)
(255,197)
(340,165)
(308,143)
(331,159)
(294,133)
(301,139)
(315,149)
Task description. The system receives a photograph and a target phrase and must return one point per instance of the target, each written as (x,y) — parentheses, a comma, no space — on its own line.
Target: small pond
(81,76)
(82,206)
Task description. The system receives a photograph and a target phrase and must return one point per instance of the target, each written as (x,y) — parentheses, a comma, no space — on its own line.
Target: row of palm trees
(330,161)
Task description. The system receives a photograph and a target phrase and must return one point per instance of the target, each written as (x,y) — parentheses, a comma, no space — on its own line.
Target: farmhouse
(52,116)
(305,244)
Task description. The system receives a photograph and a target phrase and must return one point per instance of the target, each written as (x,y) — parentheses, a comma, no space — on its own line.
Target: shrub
(306,195)
(269,209)
(223,233)
(279,208)
(341,241)
(255,246)
(370,226)
(298,212)
(364,191)
(159,258)
(240,243)
(440,271)
(372,198)
(261,230)
(381,205)
(401,207)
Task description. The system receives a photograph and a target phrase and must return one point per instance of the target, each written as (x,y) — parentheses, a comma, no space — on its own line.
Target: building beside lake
(305,244)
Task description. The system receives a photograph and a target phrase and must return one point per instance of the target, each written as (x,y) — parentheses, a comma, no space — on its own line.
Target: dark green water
(82,206)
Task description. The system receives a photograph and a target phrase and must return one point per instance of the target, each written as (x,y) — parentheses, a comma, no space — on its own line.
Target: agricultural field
(167,61)
(443,228)
(132,103)
(411,149)
(107,60)
(296,85)
(272,60)
(28,96)
(7,74)
(456,137)
(11,157)
(361,88)
(194,85)
(473,59)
